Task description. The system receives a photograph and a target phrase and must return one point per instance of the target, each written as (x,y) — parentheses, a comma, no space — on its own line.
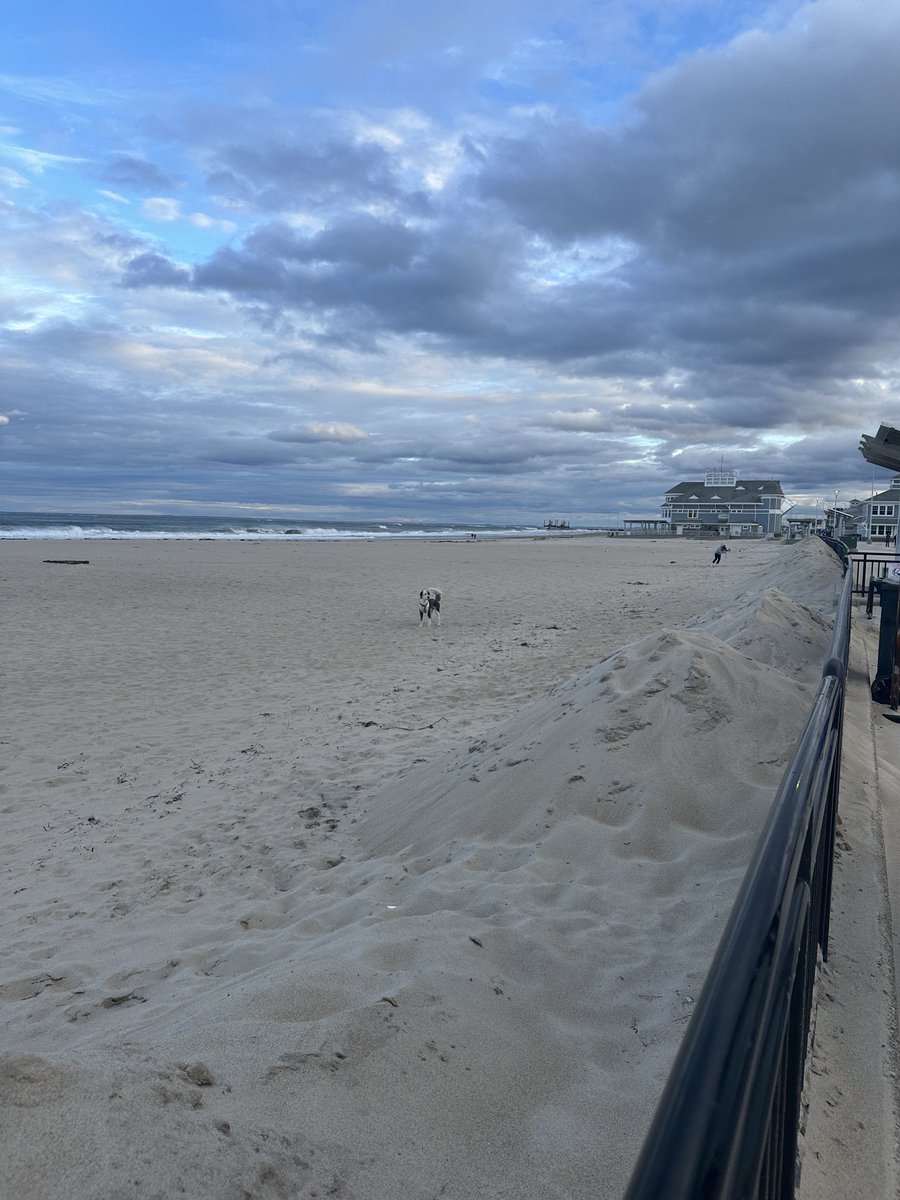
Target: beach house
(882,512)
(726,506)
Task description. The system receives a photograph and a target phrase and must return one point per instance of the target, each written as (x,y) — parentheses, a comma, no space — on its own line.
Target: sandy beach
(304,898)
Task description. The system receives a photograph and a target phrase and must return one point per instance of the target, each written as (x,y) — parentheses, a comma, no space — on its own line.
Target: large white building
(881,513)
(723,504)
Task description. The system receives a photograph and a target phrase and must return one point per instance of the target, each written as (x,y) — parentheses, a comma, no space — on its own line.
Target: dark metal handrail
(868,566)
(726,1124)
(841,549)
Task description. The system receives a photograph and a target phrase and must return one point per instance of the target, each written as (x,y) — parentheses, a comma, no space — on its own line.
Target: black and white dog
(430,604)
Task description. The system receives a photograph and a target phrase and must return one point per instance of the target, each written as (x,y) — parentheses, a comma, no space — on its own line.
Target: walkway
(851,1143)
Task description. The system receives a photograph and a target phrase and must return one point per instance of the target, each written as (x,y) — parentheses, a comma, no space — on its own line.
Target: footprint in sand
(28,1081)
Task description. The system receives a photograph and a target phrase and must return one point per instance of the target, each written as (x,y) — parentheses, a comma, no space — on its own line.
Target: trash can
(888,659)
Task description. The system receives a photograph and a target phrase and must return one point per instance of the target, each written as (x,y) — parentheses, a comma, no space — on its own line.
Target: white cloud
(361,491)
(50,90)
(161,208)
(166,210)
(202,221)
(38,161)
(335,431)
(12,179)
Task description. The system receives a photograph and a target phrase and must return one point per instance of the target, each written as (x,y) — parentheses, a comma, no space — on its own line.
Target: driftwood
(74,562)
(405,728)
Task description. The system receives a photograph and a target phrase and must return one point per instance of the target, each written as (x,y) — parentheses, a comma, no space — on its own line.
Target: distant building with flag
(723,505)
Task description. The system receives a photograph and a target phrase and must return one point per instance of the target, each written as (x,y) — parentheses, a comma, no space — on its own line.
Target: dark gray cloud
(276,174)
(246,452)
(366,242)
(772,142)
(366,274)
(139,174)
(153,270)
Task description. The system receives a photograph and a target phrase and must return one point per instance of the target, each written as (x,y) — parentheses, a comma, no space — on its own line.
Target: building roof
(744,490)
(892,493)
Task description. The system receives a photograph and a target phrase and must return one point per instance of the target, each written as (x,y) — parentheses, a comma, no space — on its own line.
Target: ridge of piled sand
(469,982)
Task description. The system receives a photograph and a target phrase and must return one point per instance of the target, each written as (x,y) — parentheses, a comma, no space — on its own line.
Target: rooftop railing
(726,1126)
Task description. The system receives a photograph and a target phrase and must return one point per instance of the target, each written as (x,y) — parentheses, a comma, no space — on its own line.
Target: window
(692,513)
(882,510)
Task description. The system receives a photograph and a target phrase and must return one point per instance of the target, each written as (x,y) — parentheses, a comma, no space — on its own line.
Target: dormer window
(720,479)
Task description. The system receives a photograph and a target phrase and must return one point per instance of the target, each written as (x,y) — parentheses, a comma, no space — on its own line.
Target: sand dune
(257,949)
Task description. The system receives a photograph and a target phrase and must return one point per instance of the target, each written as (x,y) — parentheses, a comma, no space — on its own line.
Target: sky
(497,260)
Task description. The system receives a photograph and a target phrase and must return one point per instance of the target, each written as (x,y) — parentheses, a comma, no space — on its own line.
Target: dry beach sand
(303,899)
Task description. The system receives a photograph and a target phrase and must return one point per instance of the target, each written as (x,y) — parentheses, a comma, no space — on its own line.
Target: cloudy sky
(495,259)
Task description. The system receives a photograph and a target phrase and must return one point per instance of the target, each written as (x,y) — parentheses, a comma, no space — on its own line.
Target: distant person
(720,550)
(887,539)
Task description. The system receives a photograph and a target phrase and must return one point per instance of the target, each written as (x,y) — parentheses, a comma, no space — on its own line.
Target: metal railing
(867,567)
(841,549)
(726,1126)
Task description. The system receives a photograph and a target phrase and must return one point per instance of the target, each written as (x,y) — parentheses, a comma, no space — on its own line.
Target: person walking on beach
(720,550)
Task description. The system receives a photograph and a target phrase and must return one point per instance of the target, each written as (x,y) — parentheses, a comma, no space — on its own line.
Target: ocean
(67,526)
